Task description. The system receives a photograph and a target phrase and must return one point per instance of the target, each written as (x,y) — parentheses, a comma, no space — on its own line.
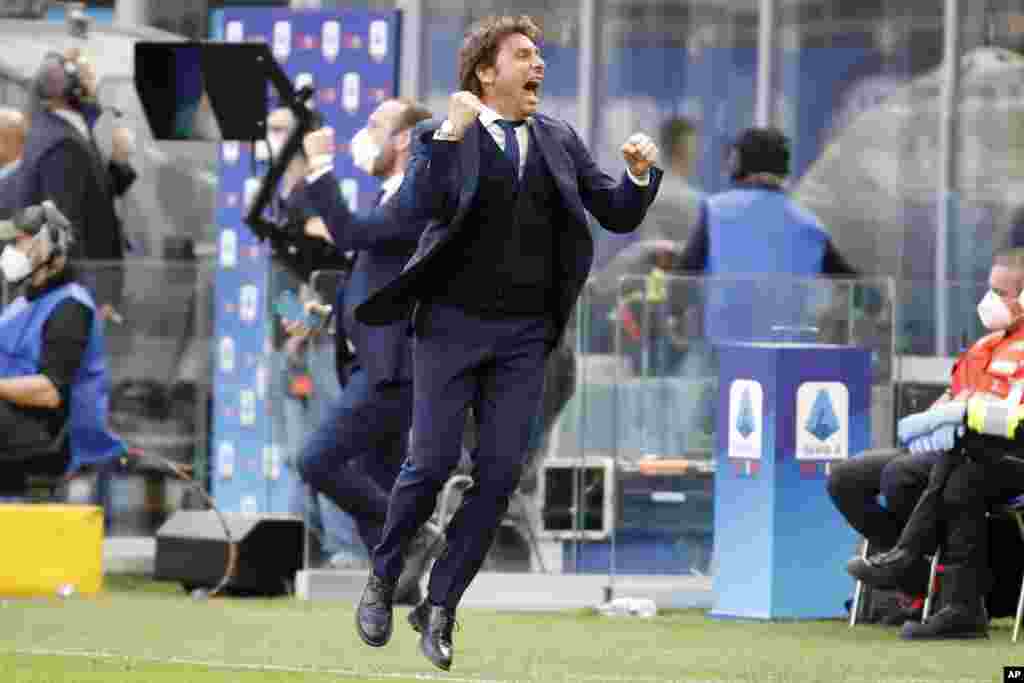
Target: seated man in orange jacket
(967,470)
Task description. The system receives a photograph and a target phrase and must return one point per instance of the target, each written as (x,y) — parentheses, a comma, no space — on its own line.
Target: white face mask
(994,313)
(365,151)
(15,264)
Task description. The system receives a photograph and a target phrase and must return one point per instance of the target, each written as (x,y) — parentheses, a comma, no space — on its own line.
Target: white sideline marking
(252,667)
(281,668)
(392,675)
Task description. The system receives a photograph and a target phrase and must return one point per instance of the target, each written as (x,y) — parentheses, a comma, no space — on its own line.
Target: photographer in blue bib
(53,372)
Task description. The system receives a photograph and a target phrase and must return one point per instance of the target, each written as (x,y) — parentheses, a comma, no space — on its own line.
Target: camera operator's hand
(317,229)
(319,148)
(109,313)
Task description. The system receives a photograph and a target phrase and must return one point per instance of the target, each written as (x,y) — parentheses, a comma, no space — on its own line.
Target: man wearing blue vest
(493,280)
(53,373)
(756,234)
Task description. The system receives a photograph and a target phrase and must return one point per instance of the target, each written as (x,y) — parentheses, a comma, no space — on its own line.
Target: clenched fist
(640,153)
(122,145)
(317,229)
(319,143)
(463,108)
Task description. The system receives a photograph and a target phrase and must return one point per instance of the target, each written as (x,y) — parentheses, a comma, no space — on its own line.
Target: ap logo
(822,421)
(746,419)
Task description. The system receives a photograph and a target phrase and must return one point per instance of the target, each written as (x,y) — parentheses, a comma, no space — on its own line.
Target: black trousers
(963,484)
(977,480)
(21,433)
(854,486)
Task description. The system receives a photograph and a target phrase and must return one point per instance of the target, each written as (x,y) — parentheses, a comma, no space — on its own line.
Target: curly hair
(480,46)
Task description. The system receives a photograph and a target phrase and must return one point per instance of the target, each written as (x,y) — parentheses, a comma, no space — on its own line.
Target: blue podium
(786,413)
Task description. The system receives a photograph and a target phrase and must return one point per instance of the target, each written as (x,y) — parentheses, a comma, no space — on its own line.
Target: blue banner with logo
(787,413)
(351,60)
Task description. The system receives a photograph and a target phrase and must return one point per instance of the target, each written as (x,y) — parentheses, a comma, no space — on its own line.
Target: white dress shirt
(76,120)
(390,187)
(488,118)
(8,169)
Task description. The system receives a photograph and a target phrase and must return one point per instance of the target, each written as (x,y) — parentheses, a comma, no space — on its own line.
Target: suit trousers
(495,365)
(354,455)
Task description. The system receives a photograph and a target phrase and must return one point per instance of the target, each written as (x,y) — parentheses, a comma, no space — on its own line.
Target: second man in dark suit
(369,425)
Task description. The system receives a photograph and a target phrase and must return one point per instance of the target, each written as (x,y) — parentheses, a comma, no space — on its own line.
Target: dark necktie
(379,198)
(511,141)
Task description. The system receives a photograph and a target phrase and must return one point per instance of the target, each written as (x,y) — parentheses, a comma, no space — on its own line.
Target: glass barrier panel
(157,325)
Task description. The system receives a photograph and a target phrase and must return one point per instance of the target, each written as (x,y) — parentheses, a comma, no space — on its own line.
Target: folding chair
(858,589)
(1012,509)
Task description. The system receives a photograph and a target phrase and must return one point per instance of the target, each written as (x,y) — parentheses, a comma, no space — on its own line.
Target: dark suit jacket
(383,244)
(60,165)
(440,186)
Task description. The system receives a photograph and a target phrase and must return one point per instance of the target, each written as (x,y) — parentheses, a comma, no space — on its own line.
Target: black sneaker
(893,569)
(951,622)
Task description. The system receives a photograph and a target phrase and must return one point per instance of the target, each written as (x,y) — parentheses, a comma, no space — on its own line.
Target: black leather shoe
(419,616)
(952,621)
(893,569)
(425,546)
(373,616)
(436,640)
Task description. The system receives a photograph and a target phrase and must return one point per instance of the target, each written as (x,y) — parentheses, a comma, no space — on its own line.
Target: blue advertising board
(350,58)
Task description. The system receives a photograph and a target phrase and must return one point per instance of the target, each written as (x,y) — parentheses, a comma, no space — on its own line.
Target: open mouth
(532,87)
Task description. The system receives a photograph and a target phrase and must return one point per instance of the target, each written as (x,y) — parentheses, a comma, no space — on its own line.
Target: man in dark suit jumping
(366,431)
(492,282)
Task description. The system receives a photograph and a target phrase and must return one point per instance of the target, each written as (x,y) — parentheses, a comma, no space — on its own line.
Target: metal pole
(948,195)
(767,32)
(412,57)
(589,65)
